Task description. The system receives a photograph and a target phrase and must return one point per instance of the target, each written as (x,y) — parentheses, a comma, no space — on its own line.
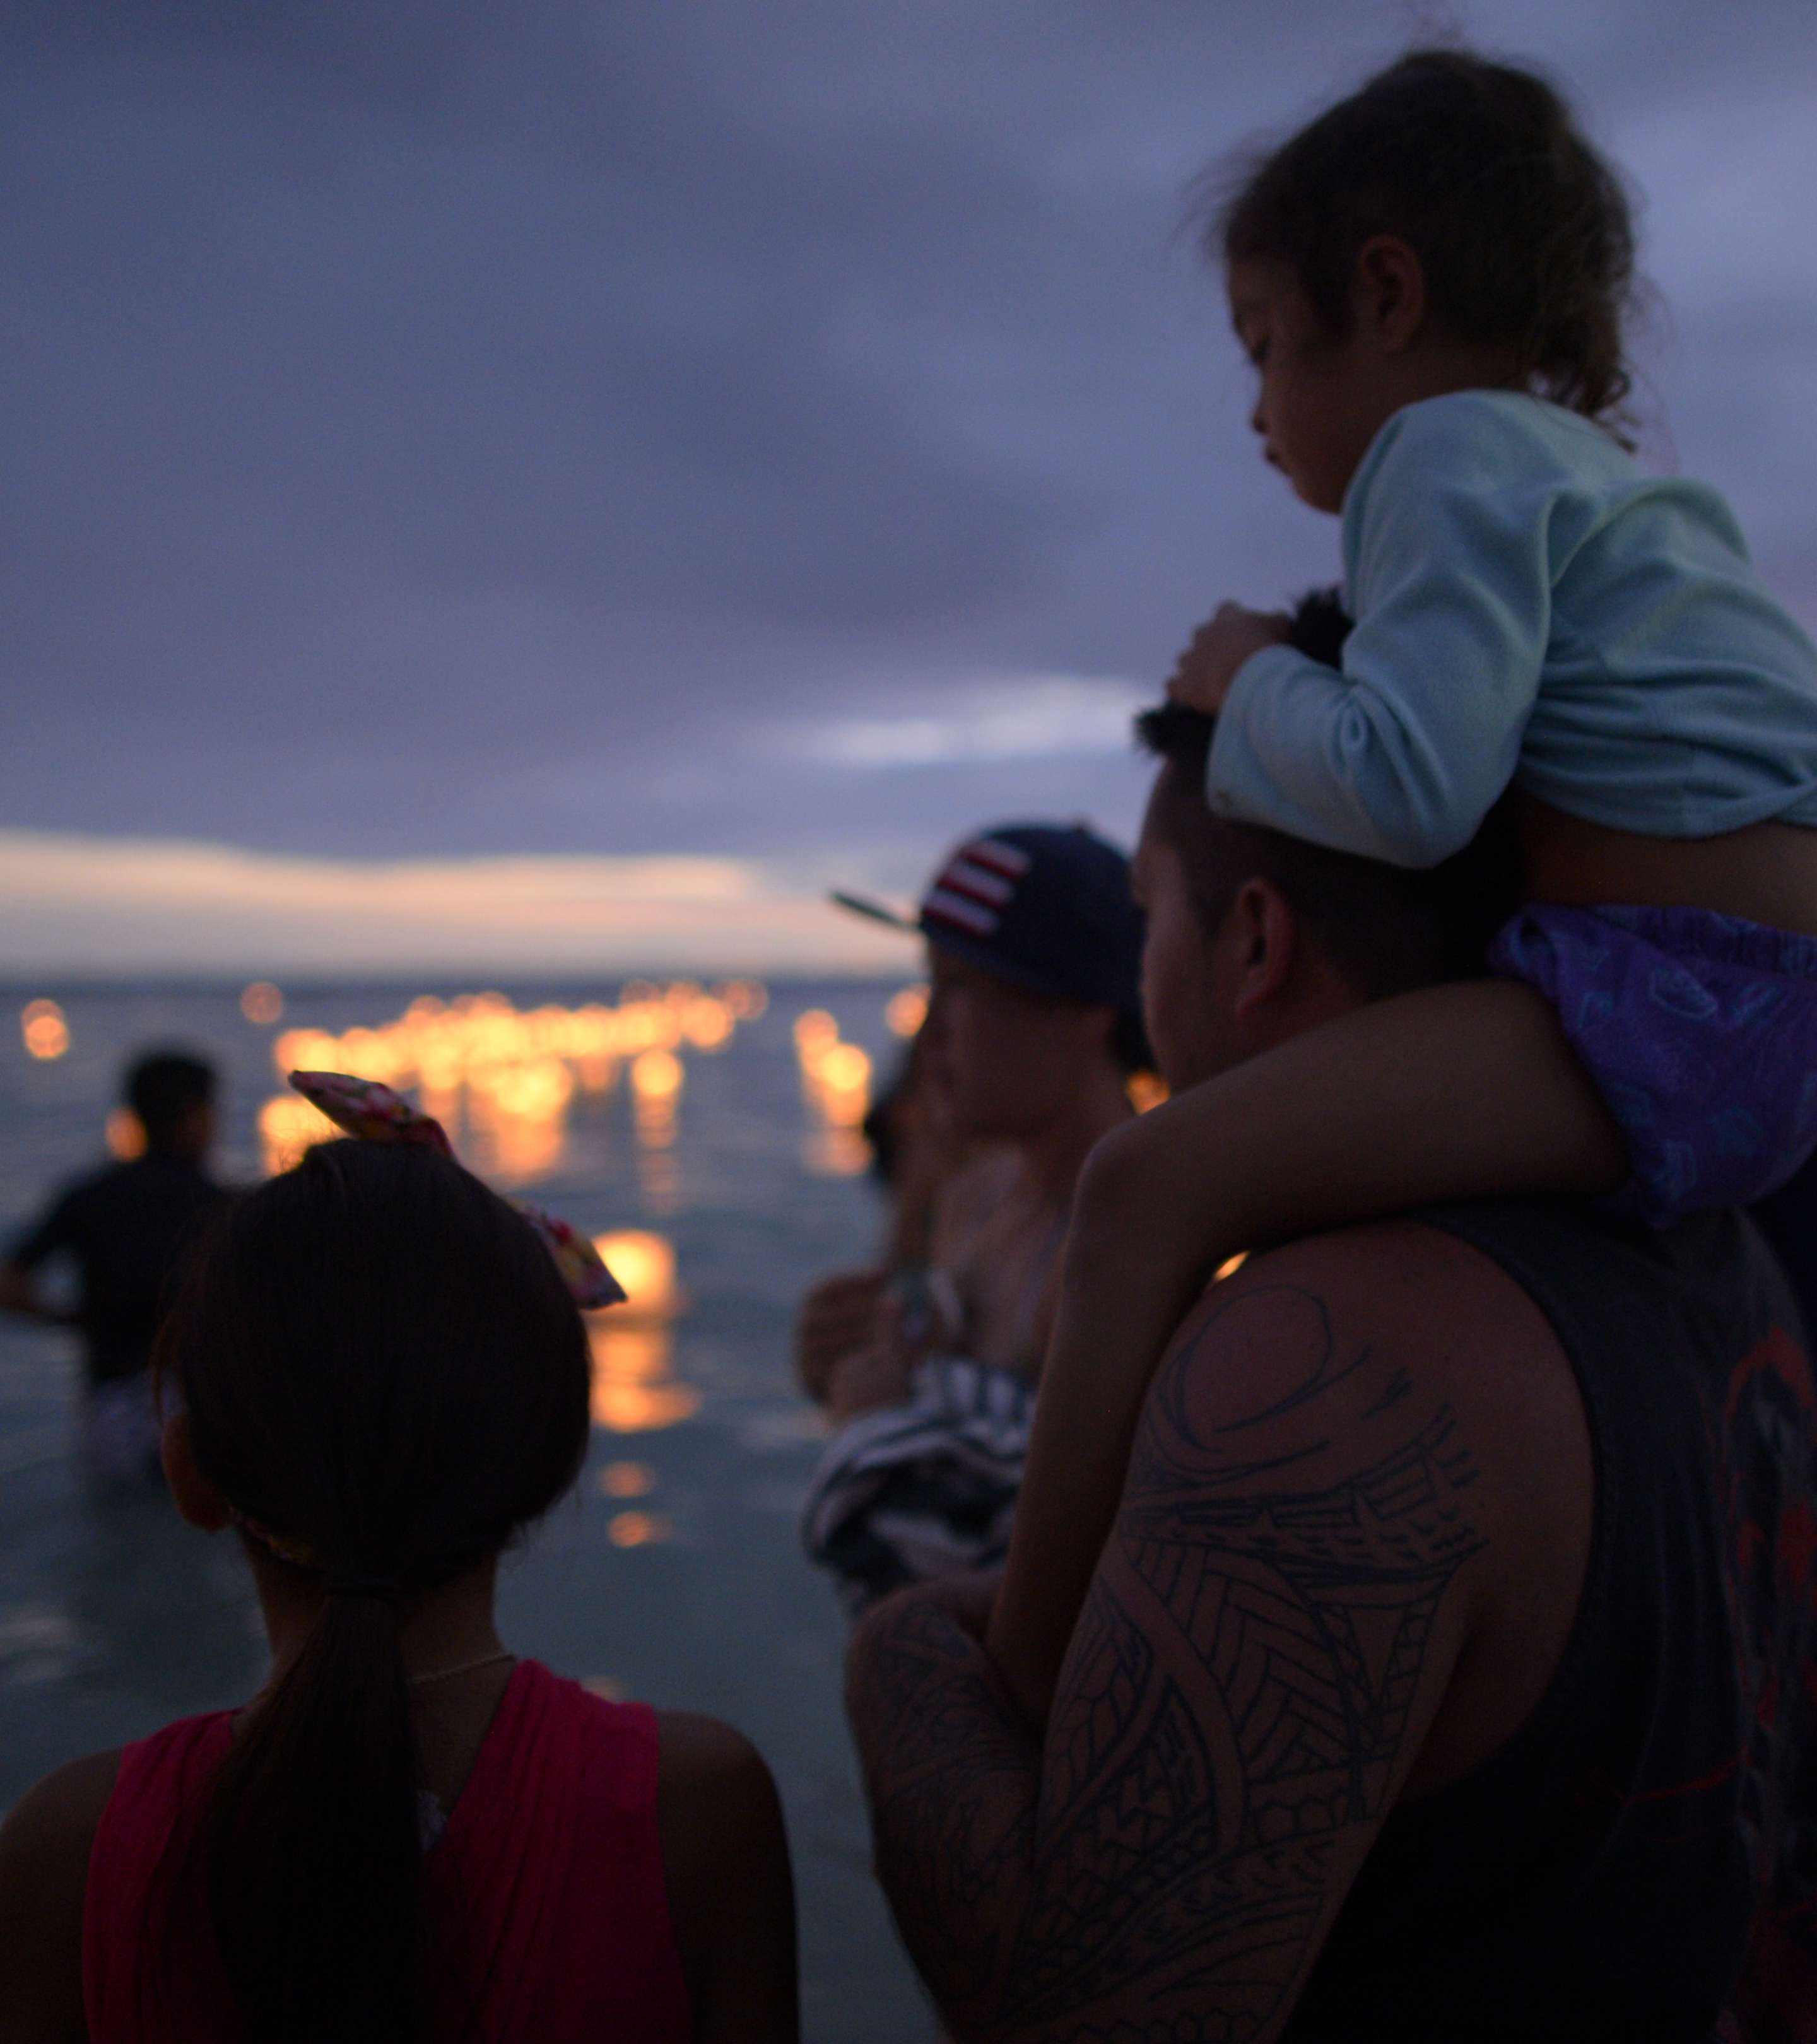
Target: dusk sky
(561,484)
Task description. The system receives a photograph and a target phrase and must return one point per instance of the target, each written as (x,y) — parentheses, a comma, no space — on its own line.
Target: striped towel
(924,1488)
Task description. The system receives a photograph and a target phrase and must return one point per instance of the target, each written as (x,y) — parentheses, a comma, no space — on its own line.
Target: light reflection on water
(637,1529)
(836,1086)
(633,1390)
(673,1574)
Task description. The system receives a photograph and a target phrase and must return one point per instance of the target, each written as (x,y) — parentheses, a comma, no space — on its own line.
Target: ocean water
(673,1573)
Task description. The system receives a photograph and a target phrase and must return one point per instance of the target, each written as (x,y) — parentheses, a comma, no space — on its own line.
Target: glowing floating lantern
(843,1085)
(836,1082)
(708,1023)
(746,998)
(261,1002)
(510,1076)
(288,1125)
(45,1032)
(815,1029)
(907,1011)
(656,1075)
(643,1262)
(307,1051)
(656,1087)
(125,1135)
(844,1066)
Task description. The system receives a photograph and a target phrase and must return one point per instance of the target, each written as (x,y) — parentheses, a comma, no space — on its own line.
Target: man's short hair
(165,1087)
(1386,928)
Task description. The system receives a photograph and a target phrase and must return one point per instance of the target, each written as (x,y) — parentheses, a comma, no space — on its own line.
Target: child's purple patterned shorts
(1700,1033)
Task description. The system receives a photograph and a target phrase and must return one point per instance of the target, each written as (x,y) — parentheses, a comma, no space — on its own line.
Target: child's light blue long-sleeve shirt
(1531,606)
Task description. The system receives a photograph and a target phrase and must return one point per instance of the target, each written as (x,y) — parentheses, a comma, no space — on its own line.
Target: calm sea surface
(673,1575)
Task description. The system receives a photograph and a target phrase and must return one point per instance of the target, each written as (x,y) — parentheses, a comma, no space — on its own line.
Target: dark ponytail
(313,1858)
(385,1375)
(1522,230)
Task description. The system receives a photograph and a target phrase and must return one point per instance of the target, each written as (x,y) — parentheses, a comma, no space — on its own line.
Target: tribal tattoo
(1230,1723)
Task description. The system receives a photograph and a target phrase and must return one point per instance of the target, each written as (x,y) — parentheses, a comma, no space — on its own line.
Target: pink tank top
(548,1883)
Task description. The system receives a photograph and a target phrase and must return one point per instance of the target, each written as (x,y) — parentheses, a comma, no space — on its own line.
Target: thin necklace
(462,1668)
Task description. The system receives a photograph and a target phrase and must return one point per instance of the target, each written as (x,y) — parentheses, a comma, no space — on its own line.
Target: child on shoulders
(1430,281)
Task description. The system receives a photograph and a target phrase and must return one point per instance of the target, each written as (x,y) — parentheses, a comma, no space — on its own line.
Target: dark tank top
(1642,1857)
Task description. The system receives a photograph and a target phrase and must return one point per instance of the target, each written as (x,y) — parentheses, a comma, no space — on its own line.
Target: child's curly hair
(1523,231)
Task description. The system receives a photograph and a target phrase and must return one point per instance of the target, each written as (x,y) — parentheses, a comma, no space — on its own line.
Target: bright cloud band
(99,906)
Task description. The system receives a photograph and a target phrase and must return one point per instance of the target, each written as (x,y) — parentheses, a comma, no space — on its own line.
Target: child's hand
(1202,675)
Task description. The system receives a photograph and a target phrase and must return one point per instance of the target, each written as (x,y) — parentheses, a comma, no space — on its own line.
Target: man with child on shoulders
(1451,1668)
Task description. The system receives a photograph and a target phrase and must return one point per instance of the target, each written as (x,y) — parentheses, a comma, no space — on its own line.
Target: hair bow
(373,1113)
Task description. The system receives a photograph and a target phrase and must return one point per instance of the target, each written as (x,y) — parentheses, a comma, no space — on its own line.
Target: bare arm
(1271,1629)
(1451,1092)
(19,1294)
(732,1895)
(44,1846)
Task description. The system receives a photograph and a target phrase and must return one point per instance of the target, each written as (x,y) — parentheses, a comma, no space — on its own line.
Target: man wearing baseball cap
(1033,1031)
(1044,906)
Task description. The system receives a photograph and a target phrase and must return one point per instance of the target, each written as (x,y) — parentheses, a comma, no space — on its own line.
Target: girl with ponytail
(381,1381)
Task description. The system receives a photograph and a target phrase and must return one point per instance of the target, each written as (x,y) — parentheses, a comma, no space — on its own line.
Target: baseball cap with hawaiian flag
(1047,906)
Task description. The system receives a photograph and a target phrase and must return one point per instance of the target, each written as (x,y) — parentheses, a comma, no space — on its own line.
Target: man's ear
(198,1503)
(1388,293)
(1265,933)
